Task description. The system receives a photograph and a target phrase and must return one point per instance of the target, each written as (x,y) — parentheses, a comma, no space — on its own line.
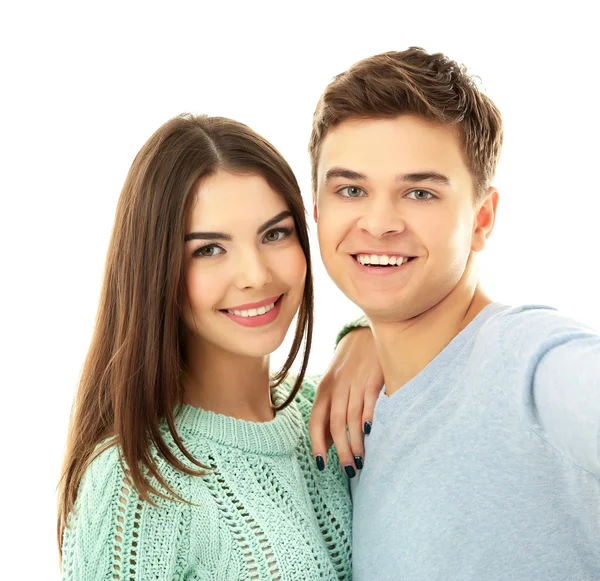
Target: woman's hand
(346,396)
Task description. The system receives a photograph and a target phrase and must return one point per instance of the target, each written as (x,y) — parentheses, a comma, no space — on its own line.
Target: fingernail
(350,471)
(367,428)
(320,463)
(358,461)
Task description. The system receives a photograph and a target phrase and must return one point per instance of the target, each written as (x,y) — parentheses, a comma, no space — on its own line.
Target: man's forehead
(390,146)
(396,128)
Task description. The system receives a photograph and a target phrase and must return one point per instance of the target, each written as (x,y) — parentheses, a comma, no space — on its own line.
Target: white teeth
(381,259)
(252,312)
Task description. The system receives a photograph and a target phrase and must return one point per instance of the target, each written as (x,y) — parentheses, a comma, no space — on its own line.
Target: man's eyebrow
(424,176)
(342,172)
(413,177)
(222,236)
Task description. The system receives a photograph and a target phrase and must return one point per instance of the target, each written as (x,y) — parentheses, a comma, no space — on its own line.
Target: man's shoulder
(533,319)
(530,326)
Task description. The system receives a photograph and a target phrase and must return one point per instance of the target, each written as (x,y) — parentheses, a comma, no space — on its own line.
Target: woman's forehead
(233,200)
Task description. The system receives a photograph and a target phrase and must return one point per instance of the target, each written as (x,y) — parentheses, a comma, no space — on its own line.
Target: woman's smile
(255,314)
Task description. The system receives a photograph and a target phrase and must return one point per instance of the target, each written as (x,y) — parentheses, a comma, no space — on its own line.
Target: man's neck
(406,348)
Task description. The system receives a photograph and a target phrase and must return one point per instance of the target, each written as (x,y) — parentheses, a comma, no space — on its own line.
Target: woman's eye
(351,192)
(277,234)
(420,195)
(209,250)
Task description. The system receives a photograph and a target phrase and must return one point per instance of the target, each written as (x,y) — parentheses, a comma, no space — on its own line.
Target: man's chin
(387,310)
(374,309)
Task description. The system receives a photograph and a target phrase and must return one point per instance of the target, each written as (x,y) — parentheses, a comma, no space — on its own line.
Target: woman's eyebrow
(222,236)
(207,236)
(278,218)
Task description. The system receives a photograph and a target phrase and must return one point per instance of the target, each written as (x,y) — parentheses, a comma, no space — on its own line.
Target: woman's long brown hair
(132,376)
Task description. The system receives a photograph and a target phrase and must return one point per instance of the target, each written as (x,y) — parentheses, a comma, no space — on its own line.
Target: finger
(339,411)
(318,426)
(370,399)
(355,425)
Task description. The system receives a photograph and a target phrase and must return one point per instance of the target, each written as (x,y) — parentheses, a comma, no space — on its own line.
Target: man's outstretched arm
(566,394)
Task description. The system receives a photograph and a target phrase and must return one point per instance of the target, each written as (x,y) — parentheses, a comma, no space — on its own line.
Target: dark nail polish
(367,428)
(320,463)
(350,471)
(358,461)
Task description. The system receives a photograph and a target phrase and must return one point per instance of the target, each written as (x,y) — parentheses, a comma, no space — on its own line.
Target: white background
(84,85)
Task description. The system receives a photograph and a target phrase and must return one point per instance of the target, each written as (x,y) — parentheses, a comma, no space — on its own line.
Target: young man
(484,457)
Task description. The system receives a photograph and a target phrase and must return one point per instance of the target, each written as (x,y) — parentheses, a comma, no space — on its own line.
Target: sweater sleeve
(113,535)
(358,323)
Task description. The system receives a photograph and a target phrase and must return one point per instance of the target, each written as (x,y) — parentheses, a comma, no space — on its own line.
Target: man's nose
(381,217)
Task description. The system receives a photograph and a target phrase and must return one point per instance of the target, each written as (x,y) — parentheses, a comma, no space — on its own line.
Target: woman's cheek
(296,263)
(199,288)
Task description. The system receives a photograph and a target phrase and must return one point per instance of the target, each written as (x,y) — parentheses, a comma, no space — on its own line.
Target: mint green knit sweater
(263,513)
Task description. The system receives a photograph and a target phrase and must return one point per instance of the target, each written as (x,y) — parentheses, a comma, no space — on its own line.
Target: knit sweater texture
(263,511)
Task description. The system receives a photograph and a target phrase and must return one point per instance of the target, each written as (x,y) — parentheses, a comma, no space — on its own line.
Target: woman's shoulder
(105,467)
(308,391)
(107,475)
(305,398)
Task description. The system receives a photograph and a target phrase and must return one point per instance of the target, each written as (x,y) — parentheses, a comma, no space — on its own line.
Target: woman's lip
(249,306)
(258,320)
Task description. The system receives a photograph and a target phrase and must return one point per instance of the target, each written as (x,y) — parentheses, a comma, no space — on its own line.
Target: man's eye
(351,192)
(420,195)
(209,250)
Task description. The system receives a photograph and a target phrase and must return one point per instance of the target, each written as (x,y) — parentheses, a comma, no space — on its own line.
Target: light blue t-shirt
(486,465)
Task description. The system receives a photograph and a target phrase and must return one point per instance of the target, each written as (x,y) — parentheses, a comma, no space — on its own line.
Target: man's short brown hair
(418,83)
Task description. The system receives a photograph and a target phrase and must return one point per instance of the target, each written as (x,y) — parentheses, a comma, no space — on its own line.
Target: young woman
(186,458)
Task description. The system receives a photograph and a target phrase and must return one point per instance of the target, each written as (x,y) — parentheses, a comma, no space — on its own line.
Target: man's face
(396,213)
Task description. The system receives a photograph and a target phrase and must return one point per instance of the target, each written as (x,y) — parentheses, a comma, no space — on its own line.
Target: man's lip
(248,306)
(381,253)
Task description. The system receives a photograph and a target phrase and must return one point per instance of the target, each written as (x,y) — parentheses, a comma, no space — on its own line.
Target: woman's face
(244,266)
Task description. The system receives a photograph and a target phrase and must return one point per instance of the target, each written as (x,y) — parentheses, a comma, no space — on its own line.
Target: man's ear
(315,209)
(485,219)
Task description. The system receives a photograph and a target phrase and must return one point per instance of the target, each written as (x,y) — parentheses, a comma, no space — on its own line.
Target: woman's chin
(258,347)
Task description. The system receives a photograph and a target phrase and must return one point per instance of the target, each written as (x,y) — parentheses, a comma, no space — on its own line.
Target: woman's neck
(227,383)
